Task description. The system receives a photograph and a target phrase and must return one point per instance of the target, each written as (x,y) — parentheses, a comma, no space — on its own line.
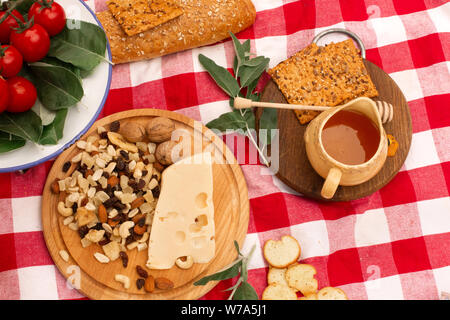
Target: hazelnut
(165,153)
(132,131)
(160,129)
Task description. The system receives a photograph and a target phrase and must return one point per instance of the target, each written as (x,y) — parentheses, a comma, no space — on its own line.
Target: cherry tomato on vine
(22,94)
(48,14)
(7,25)
(4,95)
(33,42)
(10,61)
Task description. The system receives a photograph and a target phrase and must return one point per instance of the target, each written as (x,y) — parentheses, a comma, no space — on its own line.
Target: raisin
(141,272)
(104,135)
(145,161)
(144,172)
(140,283)
(114,126)
(104,242)
(105,174)
(141,184)
(119,206)
(82,231)
(124,154)
(120,165)
(111,201)
(75,207)
(98,226)
(129,239)
(141,222)
(123,255)
(66,166)
(156,191)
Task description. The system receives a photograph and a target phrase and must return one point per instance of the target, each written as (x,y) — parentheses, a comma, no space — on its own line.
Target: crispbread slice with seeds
(136,16)
(323,76)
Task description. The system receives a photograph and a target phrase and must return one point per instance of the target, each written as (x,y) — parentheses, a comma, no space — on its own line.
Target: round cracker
(282,253)
(278,291)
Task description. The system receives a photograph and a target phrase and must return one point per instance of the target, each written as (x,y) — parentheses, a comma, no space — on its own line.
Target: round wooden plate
(294,167)
(96,280)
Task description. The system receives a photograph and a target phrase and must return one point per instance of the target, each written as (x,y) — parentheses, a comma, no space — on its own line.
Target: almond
(163,283)
(149,285)
(113,181)
(55,187)
(140,230)
(102,214)
(138,217)
(137,202)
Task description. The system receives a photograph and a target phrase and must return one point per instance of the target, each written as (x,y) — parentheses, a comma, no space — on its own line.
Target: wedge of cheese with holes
(183,224)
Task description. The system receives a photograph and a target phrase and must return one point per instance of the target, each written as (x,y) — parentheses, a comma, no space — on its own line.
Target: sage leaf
(221,76)
(254,62)
(245,292)
(239,49)
(229,273)
(269,121)
(26,125)
(249,74)
(54,131)
(57,87)
(9,142)
(236,245)
(84,47)
(233,121)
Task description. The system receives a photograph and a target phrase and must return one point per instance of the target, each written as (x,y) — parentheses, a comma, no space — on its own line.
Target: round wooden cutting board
(96,280)
(294,167)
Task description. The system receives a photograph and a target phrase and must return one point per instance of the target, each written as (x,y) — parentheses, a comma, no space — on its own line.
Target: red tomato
(4,94)
(48,14)
(33,43)
(10,61)
(10,22)
(22,94)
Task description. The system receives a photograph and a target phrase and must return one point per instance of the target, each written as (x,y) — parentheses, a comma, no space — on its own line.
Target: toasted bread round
(276,275)
(278,291)
(280,254)
(301,277)
(312,296)
(330,293)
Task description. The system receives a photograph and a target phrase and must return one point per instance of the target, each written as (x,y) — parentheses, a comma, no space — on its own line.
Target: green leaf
(228,273)
(255,61)
(54,131)
(269,121)
(9,142)
(221,76)
(233,121)
(238,48)
(250,74)
(59,63)
(236,245)
(26,125)
(245,292)
(47,116)
(57,87)
(84,47)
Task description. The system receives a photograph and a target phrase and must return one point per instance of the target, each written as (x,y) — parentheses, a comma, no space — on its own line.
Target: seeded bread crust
(323,76)
(203,22)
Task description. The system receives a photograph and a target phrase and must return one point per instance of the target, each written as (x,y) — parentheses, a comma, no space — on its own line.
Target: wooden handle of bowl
(331,183)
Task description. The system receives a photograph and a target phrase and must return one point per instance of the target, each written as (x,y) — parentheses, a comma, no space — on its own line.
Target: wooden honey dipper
(385,109)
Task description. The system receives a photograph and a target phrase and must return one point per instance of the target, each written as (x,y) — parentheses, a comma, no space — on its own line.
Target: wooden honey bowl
(337,173)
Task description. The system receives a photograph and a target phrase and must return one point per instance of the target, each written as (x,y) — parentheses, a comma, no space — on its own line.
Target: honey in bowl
(350,137)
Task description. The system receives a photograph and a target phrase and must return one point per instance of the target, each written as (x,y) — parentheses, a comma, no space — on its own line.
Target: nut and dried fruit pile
(112,188)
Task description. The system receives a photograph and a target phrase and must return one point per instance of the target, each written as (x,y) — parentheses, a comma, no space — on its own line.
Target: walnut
(160,129)
(132,131)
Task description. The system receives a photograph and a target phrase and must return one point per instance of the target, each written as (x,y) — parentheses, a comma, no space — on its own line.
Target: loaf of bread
(203,22)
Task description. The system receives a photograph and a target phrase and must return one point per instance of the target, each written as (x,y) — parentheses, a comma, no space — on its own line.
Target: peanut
(102,214)
(163,283)
(149,285)
(137,202)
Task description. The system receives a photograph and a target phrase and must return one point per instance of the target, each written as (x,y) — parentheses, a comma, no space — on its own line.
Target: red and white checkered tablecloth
(394,244)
